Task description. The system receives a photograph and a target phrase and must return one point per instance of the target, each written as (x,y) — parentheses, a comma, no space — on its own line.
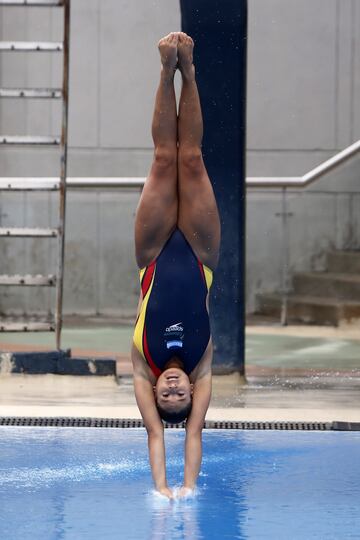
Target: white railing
(79,182)
(308,178)
(281,183)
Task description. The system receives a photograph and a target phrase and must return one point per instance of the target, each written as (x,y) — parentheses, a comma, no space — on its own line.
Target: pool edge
(31,421)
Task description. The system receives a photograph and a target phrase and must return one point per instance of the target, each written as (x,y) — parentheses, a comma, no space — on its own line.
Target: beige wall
(303,83)
(303,106)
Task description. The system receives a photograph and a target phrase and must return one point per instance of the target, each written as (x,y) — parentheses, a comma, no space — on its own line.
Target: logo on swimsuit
(175,328)
(174,334)
(171,344)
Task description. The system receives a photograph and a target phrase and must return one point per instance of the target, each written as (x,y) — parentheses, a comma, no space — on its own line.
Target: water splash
(38,476)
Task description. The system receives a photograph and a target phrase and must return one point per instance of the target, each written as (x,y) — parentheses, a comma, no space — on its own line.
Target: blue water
(75,484)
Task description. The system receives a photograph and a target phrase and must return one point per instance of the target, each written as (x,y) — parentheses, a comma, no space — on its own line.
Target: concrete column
(220,33)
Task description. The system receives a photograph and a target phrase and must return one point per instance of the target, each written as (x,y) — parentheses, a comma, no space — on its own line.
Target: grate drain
(131,423)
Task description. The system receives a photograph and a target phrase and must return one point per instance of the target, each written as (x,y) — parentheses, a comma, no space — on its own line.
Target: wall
(303,83)
(113,75)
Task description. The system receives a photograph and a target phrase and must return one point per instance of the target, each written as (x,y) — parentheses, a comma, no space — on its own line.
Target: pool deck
(104,397)
(306,374)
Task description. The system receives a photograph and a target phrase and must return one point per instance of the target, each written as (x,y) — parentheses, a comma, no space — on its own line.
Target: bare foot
(168,51)
(185,53)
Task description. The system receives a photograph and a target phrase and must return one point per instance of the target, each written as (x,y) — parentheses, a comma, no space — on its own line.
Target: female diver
(177,237)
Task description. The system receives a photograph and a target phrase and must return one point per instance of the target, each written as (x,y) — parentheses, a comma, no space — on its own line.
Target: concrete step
(310,309)
(328,285)
(57,362)
(343,262)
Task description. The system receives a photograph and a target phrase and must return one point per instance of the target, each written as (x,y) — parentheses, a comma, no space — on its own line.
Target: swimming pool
(77,483)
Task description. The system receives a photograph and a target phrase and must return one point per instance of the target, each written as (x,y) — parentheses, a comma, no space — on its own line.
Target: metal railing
(283,184)
(290,183)
(310,177)
(138,182)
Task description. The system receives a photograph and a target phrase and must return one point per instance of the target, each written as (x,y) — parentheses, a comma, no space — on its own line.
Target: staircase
(324,298)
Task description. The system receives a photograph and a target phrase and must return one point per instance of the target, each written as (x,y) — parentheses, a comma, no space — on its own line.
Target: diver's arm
(194,427)
(157,461)
(144,394)
(193,457)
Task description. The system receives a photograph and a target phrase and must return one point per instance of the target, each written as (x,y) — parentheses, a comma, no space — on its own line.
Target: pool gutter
(30,421)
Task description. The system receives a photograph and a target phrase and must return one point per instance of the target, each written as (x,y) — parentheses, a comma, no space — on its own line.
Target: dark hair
(175,417)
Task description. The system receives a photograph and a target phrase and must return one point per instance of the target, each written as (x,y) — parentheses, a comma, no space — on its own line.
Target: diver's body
(173,319)
(177,237)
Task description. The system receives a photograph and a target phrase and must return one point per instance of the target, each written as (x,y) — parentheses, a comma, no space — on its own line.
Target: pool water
(81,483)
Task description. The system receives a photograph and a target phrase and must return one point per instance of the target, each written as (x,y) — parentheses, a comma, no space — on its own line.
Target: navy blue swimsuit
(173,318)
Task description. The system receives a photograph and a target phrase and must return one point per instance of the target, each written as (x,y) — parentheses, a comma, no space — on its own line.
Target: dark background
(219,30)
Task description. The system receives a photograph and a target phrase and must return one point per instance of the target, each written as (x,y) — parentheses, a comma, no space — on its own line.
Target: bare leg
(156,215)
(198,214)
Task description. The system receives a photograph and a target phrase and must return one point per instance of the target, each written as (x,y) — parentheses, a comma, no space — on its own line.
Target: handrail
(296,182)
(106,182)
(310,177)
(256,182)
(77,182)
(138,182)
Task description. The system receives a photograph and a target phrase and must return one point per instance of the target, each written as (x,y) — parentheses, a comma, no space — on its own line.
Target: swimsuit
(173,319)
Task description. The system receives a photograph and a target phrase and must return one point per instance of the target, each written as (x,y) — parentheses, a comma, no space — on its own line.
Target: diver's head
(173,395)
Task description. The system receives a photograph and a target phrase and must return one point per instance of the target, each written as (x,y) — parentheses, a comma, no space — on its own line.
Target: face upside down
(173,395)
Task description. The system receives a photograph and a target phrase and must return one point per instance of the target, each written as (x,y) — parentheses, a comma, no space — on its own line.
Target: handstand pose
(177,237)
